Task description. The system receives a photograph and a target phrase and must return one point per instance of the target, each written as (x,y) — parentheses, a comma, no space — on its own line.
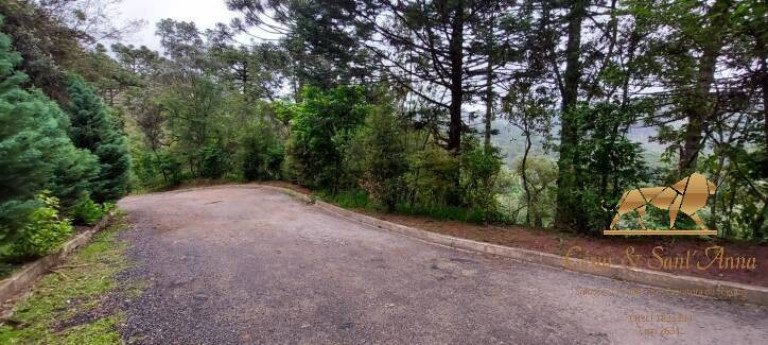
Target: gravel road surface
(244,265)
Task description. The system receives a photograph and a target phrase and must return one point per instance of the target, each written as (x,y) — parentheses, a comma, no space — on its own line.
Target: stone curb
(28,275)
(676,283)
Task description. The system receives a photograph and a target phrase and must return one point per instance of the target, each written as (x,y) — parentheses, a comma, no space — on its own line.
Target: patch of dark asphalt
(105,306)
(238,265)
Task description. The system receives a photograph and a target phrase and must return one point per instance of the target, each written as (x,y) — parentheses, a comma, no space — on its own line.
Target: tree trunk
(764,85)
(244,79)
(489,86)
(457,92)
(526,188)
(765,114)
(758,230)
(457,95)
(696,109)
(566,180)
(488,105)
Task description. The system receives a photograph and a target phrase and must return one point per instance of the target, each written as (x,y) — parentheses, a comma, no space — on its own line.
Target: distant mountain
(511,142)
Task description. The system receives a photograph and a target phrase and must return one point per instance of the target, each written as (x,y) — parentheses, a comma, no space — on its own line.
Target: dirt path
(230,265)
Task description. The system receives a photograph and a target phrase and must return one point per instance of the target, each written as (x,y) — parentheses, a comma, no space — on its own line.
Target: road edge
(26,278)
(682,284)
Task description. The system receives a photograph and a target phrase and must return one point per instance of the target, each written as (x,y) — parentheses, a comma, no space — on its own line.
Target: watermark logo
(688,196)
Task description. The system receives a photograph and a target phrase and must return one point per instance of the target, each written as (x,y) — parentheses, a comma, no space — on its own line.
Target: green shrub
(76,170)
(432,177)
(261,154)
(321,125)
(354,198)
(87,212)
(108,207)
(44,232)
(480,168)
(606,164)
(158,169)
(377,157)
(171,167)
(442,212)
(214,161)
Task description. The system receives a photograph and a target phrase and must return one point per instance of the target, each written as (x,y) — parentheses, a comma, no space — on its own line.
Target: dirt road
(236,265)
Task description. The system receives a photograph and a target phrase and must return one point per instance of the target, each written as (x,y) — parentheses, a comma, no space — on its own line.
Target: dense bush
(320,125)
(605,165)
(377,156)
(261,154)
(171,167)
(431,177)
(214,161)
(44,231)
(87,212)
(157,170)
(480,167)
(73,177)
(449,187)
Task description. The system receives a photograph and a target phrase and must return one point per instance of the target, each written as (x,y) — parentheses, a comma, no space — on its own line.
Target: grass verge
(77,302)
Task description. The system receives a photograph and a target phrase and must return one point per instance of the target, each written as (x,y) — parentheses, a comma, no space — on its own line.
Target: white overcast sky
(205,14)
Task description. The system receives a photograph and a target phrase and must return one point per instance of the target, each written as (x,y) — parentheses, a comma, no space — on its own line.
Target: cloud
(205,14)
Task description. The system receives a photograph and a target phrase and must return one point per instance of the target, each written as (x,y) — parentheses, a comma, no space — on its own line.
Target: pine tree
(92,129)
(35,152)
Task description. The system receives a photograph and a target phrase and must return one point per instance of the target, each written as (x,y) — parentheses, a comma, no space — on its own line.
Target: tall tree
(693,36)
(750,21)
(257,72)
(569,85)
(92,129)
(47,47)
(429,48)
(324,49)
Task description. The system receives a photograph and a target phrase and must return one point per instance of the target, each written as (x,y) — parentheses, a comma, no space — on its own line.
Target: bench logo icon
(688,196)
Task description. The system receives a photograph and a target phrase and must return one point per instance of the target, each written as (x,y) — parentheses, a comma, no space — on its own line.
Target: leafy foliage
(480,168)
(320,125)
(377,155)
(262,154)
(602,164)
(87,212)
(431,176)
(213,161)
(44,231)
(539,200)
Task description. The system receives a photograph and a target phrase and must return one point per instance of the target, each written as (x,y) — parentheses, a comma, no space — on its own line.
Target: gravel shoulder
(235,265)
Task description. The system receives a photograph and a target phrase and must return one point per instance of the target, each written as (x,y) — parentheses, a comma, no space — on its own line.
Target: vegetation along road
(254,266)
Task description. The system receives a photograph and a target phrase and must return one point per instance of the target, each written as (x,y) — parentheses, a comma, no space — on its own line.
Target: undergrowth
(75,303)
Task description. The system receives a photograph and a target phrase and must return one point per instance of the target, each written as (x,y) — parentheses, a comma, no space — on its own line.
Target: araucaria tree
(435,49)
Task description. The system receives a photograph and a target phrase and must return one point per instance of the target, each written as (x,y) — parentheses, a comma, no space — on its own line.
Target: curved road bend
(234,265)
